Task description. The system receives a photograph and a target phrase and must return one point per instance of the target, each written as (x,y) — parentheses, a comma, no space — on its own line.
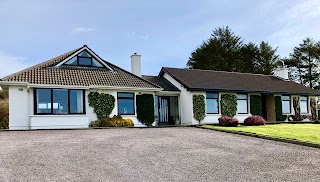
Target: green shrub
(228,105)
(278,107)
(102,104)
(255,105)
(3,95)
(115,121)
(199,111)
(4,115)
(145,109)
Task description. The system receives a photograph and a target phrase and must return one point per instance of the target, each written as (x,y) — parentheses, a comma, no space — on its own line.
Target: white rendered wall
(18,108)
(58,121)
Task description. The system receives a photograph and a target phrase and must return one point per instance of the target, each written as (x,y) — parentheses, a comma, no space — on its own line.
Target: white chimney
(282,73)
(136,64)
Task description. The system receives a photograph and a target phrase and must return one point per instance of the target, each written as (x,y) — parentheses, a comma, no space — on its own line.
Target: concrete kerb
(286,140)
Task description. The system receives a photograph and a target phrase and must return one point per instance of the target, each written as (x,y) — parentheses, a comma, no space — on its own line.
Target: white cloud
(138,35)
(83,29)
(10,64)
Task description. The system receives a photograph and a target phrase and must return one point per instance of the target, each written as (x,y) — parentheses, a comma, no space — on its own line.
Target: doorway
(268,107)
(168,112)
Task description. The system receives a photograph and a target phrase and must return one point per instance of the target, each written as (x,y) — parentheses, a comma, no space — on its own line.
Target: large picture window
(286,104)
(212,100)
(59,101)
(126,104)
(242,103)
(304,104)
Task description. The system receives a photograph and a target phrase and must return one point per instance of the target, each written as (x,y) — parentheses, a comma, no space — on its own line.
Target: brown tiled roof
(164,83)
(45,73)
(207,80)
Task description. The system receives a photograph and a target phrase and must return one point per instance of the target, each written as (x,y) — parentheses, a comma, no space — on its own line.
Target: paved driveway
(152,154)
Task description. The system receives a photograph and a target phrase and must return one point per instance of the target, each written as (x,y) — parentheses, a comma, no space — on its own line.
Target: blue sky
(163,32)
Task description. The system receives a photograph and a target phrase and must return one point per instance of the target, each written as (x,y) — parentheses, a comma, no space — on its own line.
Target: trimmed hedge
(228,105)
(102,104)
(228,121)
(278,107)
(255,105)
(145,109)
(4,115)
(115,121)
(254,120)
(199,110)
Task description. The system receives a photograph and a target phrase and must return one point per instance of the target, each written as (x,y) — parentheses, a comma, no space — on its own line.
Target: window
(304,104)
(84,59)
(286,104)
(59,101)
(126,103)
(212,103)
(242,101)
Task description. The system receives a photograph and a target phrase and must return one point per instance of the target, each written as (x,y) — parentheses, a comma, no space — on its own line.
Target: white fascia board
(13,83)
(168,93)
(88,50)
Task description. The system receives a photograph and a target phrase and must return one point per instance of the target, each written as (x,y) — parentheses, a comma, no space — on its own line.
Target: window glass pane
(125,106)
(304,98)
(43,100)
(286,107)
(84,54)
(96,63)
(242,106)
(72,61)
(212,96)
(241,96)
(304,106)
(60,101)
(84,61)
(129,95)
(76,101)
(156,108)
(212,106)
(285,97)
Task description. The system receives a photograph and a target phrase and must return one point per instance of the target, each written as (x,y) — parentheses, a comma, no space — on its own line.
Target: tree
(249,54)
(220,52)
(267,60)
(303,63)
(225,51)
(199,107)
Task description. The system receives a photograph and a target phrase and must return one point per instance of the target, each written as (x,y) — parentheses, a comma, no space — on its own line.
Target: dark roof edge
(178,90)
(163,70)
(249,91)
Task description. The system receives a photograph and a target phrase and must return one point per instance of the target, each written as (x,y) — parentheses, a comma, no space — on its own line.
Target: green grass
(303,132)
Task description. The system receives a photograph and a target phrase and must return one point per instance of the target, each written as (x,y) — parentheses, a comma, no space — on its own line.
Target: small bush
(115,121)
(3,94)
(228,121)
(4,115)
(316,122)
(254,120)
(95,124)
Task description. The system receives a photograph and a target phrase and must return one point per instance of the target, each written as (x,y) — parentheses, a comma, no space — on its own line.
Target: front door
(163,106)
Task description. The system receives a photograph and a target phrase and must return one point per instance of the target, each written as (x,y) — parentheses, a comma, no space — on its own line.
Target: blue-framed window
(286,104)
(126,103)
(304,104)
(242,103)
(84,59)
(212,100)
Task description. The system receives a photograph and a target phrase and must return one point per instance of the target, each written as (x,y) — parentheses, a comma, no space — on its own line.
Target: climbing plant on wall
(228,105)
(102,104)
(255,105)
(145,109)
(278,107)
(199,111)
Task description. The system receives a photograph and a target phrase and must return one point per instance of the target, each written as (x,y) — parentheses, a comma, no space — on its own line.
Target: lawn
(303,132)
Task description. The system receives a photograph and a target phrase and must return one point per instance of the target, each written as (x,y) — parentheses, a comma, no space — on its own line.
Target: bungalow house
(54,94)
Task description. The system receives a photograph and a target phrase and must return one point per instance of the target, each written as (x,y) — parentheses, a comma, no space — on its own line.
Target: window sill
(52,115)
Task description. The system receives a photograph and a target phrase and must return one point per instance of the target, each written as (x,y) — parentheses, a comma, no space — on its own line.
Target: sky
(163,32)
